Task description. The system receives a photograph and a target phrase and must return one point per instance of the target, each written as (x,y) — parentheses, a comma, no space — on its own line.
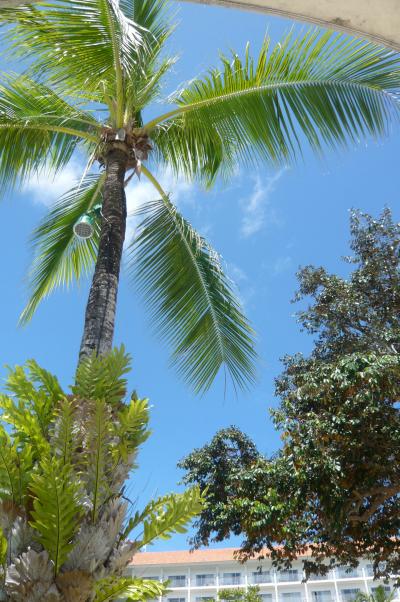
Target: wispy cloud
(256,208)
(46,188)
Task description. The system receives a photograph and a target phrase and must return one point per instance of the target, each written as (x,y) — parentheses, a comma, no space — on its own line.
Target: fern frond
(131,428)
(170,514)
(113,588)
(101,377)
(57,509)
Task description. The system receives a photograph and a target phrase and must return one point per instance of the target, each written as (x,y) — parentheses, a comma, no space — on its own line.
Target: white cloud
(46,188)
(255,208)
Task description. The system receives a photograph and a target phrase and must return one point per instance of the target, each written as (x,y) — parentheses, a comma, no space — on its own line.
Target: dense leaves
(334,487)
(64,461)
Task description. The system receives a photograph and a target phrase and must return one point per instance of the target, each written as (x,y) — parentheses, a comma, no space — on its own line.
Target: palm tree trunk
(101,307)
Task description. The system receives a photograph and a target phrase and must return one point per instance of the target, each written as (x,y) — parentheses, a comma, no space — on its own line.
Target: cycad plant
(64,512)
(95,67)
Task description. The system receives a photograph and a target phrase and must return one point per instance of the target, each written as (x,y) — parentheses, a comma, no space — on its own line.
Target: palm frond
(190,299)
(87,43)
(59,256)
(169,514)
(143,82)
(56,509)
(331,88)
(38,130)
(112,588)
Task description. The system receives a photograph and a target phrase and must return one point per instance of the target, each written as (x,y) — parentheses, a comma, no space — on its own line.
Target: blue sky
(265,224)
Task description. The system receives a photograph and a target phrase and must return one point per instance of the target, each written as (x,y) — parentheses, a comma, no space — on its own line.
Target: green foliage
(57,508)
(253,109)
(61,257)
(169,514)
(379,595)
(63,470)
(191,300)
(239,594)
(134,589)
(95,66)
(335,484)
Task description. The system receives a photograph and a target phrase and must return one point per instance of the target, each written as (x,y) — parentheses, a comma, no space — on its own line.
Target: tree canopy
(334,486)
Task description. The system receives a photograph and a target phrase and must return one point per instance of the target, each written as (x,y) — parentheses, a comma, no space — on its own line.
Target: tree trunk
(101,307)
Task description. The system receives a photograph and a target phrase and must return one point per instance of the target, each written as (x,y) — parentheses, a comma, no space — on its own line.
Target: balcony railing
(230,580)
(344,572)
(285,576)
(204,580)
(177,581)
(320,577)
(262,577)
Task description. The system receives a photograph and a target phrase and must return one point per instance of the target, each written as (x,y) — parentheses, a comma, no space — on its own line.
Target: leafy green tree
(334,487)
(64,462)
(96,67)
(240,594)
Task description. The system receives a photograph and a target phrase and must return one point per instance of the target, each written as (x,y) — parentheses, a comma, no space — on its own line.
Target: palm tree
(96,66)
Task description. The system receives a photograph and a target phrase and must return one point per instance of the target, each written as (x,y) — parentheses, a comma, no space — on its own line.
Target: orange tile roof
(189,557)
(183,557)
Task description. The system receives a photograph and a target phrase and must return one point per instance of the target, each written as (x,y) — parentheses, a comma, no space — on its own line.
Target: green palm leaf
(88,44)
(113,588)
(60,257)
(38,130)
(331,88)
(56,509)
(190,298)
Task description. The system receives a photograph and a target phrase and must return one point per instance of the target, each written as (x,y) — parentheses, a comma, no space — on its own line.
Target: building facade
(198,576)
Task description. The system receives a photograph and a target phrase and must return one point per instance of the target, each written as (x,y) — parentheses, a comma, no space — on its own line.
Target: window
(231,579)
(289,575)
(348,595)
(291,597)
(177,580)
(266,597)
(261,577)
(322,596)
(369,569)
(314,577)
(176,599)
(206,579)
(205,599)
(347,572)
(386,588)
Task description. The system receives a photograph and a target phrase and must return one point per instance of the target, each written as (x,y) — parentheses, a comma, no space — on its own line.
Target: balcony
(347,572)
(231,579)
(314,577)
(176,580)
(348,595)
(290,575)
(205,580)
(291,597)
(260,577)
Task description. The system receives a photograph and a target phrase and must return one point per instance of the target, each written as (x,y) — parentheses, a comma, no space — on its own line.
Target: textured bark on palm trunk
(101,307)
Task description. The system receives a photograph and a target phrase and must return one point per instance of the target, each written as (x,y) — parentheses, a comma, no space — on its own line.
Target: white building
(197,576)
